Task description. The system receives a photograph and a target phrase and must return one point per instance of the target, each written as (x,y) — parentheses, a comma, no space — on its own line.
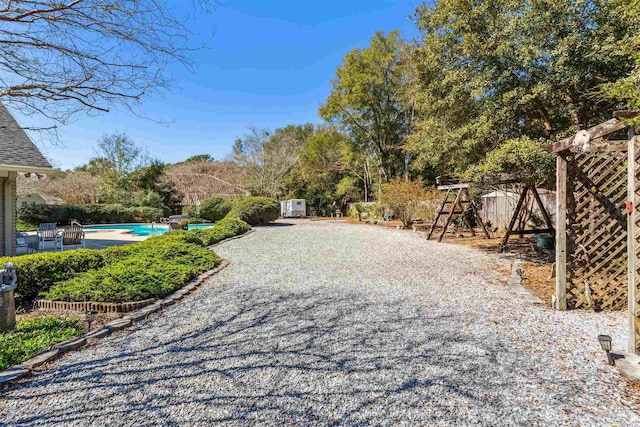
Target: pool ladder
(153,228)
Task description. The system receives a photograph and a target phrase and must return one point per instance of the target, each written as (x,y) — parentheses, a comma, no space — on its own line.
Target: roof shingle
(16,148)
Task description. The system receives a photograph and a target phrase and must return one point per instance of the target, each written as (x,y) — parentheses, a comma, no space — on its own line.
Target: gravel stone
(40,359)
(326,323)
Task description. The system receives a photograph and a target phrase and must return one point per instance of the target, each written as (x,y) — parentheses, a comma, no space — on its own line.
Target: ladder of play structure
(456,204)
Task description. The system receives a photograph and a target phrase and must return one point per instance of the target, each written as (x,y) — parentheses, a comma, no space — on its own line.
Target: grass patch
(32,335)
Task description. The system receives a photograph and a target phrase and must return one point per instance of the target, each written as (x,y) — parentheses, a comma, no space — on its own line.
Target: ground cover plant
(31,335)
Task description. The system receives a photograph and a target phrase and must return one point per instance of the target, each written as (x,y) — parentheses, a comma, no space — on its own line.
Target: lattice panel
(597,236)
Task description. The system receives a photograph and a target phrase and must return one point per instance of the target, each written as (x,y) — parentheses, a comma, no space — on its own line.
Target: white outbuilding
(293,208)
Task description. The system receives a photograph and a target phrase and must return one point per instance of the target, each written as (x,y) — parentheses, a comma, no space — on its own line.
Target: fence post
(561,233)
(632,300)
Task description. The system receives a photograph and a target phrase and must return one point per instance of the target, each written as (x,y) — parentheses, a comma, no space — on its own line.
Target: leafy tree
(121,154)
(199,158)
(367,101)
(496,71)
(626,87)
(153,187)
(521,159)
(403,198)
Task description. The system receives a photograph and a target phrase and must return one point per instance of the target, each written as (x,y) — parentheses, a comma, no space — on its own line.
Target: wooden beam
(614,212)
(609,146)
(626,114)
(446,224)
(632,298)
(514,217)
(454,186)
(561,234)
(598,131)
(439,214)
(539,230)
(543,210)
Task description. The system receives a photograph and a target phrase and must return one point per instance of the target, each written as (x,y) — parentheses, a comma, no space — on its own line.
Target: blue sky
(268,64)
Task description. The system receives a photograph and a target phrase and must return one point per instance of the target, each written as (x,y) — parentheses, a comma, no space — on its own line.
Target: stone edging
(232,238)
(515,283)
(102,307)
(24,369)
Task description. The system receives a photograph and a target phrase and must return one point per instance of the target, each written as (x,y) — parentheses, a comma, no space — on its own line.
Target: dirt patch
(537,278)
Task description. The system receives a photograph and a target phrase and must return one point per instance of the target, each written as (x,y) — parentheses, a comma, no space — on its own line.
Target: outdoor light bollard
(8,283)
(90,316)
(605,343)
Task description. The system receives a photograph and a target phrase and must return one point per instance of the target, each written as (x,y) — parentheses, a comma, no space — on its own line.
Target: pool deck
(95,240)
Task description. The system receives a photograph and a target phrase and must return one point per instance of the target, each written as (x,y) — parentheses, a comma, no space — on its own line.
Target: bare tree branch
(62,57)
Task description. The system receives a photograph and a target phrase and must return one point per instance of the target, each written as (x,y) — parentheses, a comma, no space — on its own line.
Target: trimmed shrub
(38,272)
(154,271)
(215,209)
(88,214)
(255,210)
(23,226)
(153,268)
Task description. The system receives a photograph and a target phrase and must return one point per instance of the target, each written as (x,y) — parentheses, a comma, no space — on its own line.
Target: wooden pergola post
(561,233)
(632,298)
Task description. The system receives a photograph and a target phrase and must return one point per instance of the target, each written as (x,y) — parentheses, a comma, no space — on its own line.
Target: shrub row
(148,269)
(252,210)
(88,214)
(154,271)
(215,209)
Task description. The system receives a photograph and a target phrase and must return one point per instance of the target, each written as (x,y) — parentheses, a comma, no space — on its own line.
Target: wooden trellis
(597,237)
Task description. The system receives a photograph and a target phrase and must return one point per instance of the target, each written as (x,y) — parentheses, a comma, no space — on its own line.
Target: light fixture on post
(90,316)
(605,343)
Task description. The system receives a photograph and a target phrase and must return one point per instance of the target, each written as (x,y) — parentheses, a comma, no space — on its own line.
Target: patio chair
(72,235)
(47,232)
(26,241)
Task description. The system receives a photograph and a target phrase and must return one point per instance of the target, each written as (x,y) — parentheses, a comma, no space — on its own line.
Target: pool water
(140,229)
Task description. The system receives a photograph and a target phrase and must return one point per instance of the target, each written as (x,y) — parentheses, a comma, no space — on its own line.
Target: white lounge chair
(72,235)
(47,232)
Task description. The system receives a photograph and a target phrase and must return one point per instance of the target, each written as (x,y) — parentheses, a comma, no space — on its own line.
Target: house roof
(47,198)
(17,151)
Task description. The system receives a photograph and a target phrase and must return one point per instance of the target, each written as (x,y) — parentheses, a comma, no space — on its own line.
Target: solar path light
(605,343)
(90,316)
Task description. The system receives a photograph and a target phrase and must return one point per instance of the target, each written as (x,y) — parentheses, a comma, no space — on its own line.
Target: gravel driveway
(324,323)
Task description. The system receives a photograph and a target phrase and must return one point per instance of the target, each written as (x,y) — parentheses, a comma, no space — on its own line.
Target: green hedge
(255,210)
(38,272)
(215,209)
(88,214)
(154,271)
(71,275)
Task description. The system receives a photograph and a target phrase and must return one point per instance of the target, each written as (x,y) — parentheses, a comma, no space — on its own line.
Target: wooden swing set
(458,207)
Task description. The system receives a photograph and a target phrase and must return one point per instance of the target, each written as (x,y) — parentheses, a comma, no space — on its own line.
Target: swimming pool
(140,229)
